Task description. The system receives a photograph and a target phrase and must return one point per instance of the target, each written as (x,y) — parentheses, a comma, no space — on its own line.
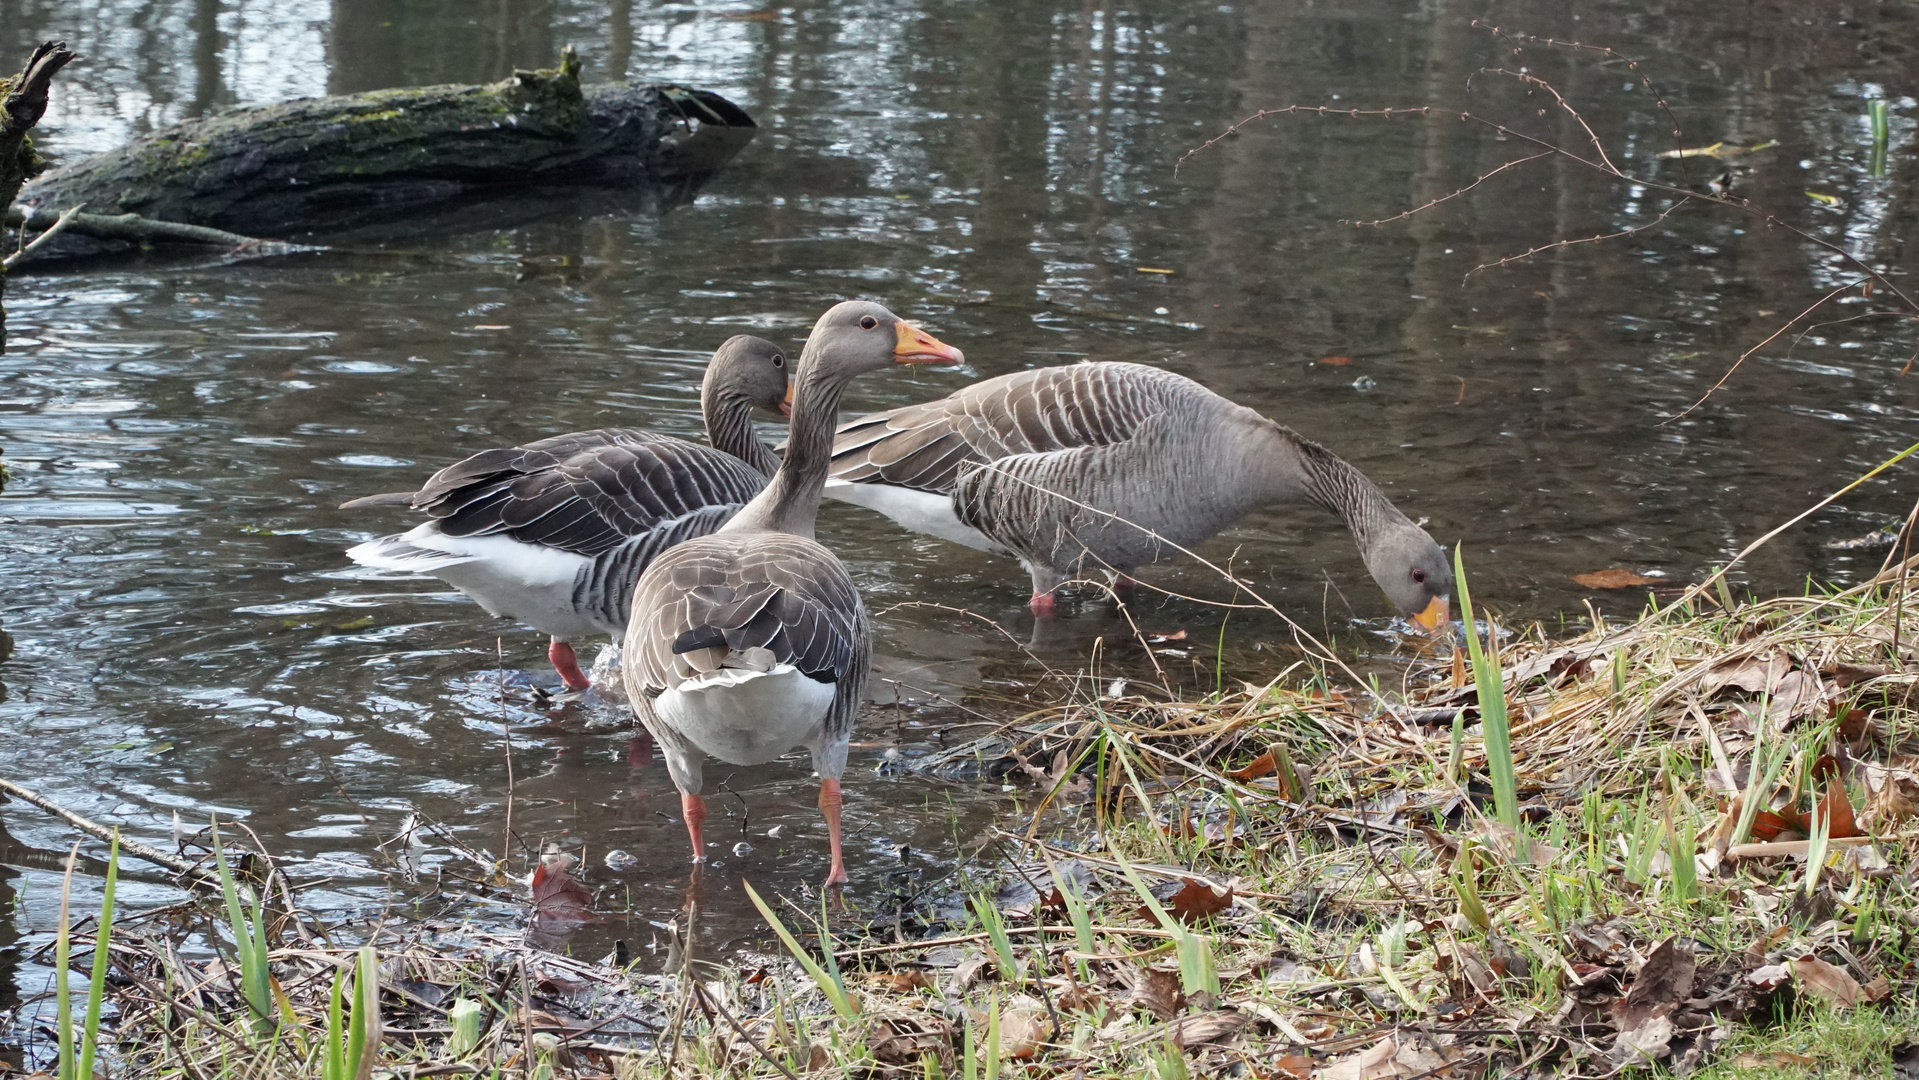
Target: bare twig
(53,230)
(134,228)
(191,872)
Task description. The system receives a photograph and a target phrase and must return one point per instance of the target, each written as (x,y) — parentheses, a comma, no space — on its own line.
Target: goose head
(749,372)
(1413,570)
(858,335)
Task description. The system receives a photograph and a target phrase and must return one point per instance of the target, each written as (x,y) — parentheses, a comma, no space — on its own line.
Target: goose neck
(1308,472)
(729,429)
(791,502)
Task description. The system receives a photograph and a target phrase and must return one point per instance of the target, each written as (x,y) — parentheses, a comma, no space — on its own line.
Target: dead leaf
(1336,361)
(1642,1044)
(903,982)
(1158,992)
(1879,989)
(1398,1055)
(1258,767)
(1664,980)
(1836,811)
(1191,1031)
(1080,998)
(967,973)
(1613,579)
(1827,983)
(1893,803)
(1161,639)
(1297,1066)
(557,895)
(1196,901)
(1022,1030)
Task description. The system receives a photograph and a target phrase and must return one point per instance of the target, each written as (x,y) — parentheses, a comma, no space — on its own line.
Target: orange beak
(916,346)
(1435,616)
(786,406)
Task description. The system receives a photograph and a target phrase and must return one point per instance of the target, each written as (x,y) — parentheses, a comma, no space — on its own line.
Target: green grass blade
(363,1038)
(333,1059)
(1492,702)
(829,985)
(97,988)
(249,943)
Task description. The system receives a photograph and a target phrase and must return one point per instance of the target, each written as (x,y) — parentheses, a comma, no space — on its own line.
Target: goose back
(772,600)
(1062,464)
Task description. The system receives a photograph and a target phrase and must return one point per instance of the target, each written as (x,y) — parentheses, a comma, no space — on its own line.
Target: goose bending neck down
(1106,467)
(555,532)
(752,641)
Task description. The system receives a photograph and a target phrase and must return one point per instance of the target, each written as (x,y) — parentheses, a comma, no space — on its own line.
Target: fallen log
(324,164)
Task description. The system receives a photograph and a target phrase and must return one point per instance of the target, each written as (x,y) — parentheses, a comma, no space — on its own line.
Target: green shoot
(249,944)
(347,1055)
(1685,884)
(830,985)
(466,1016)
(995,926)
(1195,951)
(1818,845)
(1466,884)
(1492,702)
(97,986)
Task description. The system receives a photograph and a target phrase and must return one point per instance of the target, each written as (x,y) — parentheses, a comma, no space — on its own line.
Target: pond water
(187,636)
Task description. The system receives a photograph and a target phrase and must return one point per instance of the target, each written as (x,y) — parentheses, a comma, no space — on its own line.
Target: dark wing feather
(586,492)
(776,591)
(928,447)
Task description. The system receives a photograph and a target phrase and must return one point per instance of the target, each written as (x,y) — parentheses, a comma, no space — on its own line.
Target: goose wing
(758,600)
(586,492)
(929,447)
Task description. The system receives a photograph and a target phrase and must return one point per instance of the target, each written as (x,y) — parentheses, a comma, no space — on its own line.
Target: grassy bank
(1701,864)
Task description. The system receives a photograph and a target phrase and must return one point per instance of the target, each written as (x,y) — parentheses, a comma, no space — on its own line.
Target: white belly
(748,717)
(921,511)
(521,581)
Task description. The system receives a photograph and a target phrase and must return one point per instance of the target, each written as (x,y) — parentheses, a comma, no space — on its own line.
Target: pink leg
(830,806)
(693,809)
(567,664)
(1044,605)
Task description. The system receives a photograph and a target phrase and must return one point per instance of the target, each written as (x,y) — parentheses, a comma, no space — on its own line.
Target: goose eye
(1419,577)
(868,322)
(778,360)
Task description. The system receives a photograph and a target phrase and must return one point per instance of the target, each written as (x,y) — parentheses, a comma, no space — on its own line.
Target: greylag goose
(752,641)
(554,533)
(1095,466)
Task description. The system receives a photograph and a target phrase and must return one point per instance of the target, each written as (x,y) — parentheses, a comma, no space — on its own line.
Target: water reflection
(189,636)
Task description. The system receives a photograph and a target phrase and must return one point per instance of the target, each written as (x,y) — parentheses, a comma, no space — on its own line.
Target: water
(188,636)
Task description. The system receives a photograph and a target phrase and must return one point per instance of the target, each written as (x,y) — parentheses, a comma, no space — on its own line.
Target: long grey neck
(1304,471)
(729,428)
(792,501)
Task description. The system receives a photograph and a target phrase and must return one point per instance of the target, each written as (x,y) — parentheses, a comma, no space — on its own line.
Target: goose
(751,642)
(1104,466)
(554,533)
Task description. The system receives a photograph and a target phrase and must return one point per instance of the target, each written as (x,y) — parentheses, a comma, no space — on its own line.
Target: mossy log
(321,164)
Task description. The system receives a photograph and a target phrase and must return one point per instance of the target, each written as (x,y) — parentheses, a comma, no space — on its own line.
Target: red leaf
(1836,811)
(1260,766)
(1336,361)
(1196,901)
(557,894)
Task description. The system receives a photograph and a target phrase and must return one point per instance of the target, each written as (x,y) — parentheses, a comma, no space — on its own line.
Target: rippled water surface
(187,635)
